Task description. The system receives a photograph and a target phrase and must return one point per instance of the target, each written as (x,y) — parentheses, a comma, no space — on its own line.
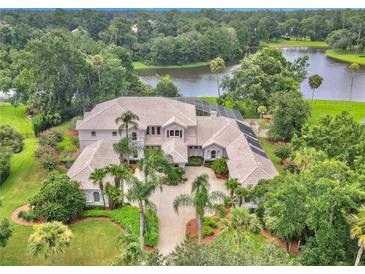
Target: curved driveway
(171,224)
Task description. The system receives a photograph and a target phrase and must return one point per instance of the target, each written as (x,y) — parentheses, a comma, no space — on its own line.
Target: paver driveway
(172,225)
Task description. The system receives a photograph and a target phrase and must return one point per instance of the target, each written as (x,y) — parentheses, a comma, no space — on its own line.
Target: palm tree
(123,149)
(154,161)
(232,185)
(240,222)
(127,119)
(97,62)
(200,199)
(120,173)
(140,192)
(262,110)
(49,239)
(354,67)
(315,82)
(358,232)
(217,66)
(97,177)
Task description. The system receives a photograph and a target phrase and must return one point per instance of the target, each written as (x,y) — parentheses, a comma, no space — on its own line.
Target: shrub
(50,137)
(220,166)
(59,199)
(28,216)
(207,231)
(48,157)
(283,151)
(10,138)
(175,176)
(195,161)
(211,221)
(128,218)
(5,155)
(42,121)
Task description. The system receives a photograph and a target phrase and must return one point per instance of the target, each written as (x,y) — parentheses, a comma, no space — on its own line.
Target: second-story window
(148,131)
(114,133)
(171,133)
(134,136)
(158,130)
(93,133)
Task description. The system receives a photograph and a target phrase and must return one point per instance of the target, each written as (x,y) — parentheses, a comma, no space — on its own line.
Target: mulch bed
(191,230)
(221,176)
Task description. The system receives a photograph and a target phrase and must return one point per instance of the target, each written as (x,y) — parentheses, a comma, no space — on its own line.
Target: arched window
(114,133)
(213,154)
(134,136)
(96,196)
(93,133)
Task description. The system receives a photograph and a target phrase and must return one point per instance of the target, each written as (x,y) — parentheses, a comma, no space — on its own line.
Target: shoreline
(346,57)
(138,66)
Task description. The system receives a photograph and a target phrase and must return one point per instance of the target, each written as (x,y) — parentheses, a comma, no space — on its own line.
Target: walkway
(172,225)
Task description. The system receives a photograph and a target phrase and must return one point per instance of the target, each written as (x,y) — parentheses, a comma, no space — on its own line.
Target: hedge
(128,218)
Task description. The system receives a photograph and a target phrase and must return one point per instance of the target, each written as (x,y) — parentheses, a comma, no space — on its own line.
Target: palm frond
(182,200)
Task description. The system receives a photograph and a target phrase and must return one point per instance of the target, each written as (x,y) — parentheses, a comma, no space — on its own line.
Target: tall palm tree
(49,239)
(126,120)
(357,223)
(232,185)
(354,68)
(120,173)
(217,66)
(240,222)
(97,177)
(140,192)
(315,82)
(201,199)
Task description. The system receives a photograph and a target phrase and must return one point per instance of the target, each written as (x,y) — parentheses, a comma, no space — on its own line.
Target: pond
(335,86)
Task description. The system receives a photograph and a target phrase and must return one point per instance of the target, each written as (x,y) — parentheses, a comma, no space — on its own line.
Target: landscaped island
(347,56)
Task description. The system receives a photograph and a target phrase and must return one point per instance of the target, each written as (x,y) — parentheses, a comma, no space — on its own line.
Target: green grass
(94,243)
(17,118)
(142,66)
(347,56)
(281,43)
(128,218)
(322,107)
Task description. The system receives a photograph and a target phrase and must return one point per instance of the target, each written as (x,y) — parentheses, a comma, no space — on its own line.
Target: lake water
(335,85)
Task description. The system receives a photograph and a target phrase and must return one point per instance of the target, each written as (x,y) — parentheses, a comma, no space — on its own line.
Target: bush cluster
(5,155)
(195,161)
(50,137)
(220,166)
(10,138)
(59,199)
(283,151)
(128,218)
(209,224)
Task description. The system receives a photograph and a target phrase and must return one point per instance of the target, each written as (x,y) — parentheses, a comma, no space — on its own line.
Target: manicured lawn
(128,218)
(323,107)
(16,117)
(297,43)
(142,66)
(347,56)
(94,243)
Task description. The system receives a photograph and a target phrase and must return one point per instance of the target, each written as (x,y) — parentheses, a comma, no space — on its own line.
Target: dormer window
(114,133)
(213,154)
(134,136)
(93,133)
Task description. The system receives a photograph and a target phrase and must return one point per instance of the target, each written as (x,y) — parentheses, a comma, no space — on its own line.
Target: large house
(176,128)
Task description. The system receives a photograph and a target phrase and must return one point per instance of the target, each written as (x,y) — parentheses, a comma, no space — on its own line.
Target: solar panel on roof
(204,106)
(260,152)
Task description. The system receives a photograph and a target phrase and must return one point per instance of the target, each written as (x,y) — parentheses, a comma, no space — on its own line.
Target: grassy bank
(296,43)
(142,66)
(347,56)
